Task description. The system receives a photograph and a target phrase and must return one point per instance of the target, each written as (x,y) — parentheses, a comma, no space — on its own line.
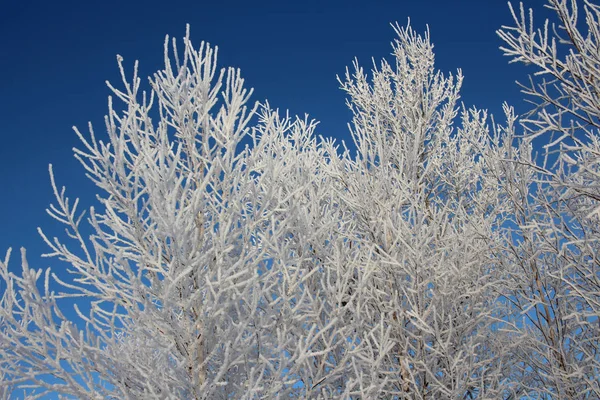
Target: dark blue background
(56,56)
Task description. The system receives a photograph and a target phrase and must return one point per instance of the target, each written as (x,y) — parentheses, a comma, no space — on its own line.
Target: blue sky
(57,55)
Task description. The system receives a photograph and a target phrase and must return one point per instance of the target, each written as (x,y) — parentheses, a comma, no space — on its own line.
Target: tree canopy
(232,253)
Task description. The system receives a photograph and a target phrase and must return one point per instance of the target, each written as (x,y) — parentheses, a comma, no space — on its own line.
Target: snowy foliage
(555,282)
(234,254)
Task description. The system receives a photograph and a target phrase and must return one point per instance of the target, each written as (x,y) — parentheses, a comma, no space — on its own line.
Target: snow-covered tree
(234,254)
(555,282)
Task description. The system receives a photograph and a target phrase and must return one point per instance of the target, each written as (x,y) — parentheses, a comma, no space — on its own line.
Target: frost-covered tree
(424,219)
(555,282)
(234,254)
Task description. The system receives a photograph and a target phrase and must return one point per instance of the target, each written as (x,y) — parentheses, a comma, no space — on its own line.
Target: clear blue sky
(57,55)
